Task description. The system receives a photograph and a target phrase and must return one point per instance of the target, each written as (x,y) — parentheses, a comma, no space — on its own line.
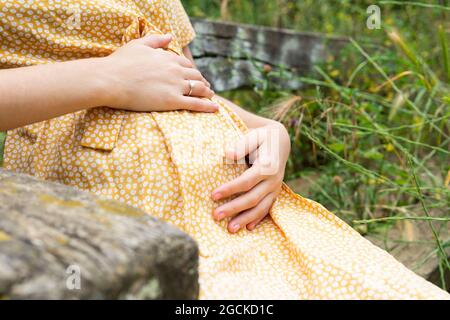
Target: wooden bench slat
(233,55)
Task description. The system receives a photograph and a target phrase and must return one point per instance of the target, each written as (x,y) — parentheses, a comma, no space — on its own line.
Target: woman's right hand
(142,76)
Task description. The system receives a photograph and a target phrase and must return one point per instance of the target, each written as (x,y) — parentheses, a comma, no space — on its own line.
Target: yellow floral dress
(169,163)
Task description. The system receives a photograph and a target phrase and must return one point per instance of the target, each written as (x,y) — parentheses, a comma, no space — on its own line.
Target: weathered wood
(122,252)
(234,55)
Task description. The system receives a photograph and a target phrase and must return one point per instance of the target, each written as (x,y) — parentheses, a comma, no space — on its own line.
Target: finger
(199,89)
(197,104)
(155,41)
(246,201)
(246,145)
(194,74)
(253,216)
(185,62)
(252,225)
(250,178)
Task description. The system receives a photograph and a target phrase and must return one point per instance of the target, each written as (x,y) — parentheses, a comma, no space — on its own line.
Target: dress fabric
(168,163)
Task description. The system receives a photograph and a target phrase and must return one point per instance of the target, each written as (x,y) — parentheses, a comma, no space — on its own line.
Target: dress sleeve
(170,17)
(181,24)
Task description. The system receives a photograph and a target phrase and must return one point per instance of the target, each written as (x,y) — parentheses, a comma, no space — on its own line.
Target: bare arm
(38,93)
(137,77)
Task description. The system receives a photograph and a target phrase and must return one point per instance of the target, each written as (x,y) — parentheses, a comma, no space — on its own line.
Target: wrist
(284,134)
(284,139)
(101,85)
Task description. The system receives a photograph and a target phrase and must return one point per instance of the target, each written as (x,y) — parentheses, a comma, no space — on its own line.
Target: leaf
(373,154)
(399,101)
(337,147)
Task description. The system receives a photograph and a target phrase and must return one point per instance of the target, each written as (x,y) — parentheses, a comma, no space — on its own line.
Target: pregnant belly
(165,163)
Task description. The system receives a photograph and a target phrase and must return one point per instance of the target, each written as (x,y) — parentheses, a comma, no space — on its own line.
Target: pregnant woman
(103,96)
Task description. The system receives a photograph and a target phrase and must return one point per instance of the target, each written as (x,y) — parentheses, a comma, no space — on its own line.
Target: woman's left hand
(268,148)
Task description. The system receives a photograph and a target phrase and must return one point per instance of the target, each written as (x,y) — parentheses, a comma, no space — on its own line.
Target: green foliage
(370,130)
(334,17)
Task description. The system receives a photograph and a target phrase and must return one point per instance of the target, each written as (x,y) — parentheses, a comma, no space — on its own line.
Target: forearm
(37,93)
(251,120)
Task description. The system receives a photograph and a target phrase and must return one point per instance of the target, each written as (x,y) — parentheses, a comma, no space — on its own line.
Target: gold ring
(191,87)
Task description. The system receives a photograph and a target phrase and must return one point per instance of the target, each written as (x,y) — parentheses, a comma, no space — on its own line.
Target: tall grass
(371,130)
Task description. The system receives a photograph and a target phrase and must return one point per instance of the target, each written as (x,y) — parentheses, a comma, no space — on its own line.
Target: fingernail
(235,228)
(220,215)
(216,196)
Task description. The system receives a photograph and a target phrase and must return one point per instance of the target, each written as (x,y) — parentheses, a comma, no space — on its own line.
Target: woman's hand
(141,76)
(258,187)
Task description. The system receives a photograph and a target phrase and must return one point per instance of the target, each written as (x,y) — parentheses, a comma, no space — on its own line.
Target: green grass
(371,129)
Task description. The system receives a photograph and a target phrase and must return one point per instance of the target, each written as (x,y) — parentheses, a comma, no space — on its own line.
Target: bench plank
(233,55)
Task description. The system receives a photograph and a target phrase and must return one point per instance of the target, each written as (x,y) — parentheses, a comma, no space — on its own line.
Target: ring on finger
(191,87)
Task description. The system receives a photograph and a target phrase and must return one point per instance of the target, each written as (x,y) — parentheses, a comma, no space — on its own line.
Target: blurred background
(370,129)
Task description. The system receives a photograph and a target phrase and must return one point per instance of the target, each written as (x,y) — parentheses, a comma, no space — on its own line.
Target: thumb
(156,41)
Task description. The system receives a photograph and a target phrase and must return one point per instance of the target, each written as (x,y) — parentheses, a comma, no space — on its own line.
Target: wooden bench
(234,55)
